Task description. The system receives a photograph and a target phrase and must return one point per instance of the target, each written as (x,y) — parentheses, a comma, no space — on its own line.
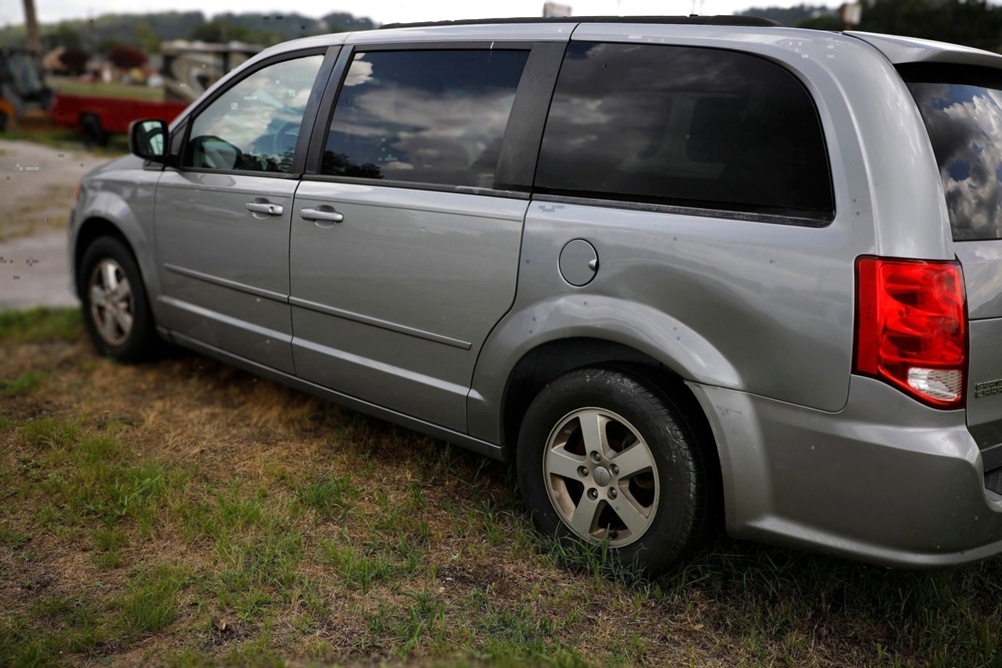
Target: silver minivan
(678,270)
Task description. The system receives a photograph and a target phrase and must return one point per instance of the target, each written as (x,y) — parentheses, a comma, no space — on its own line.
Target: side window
(962,110)
(254,125)
(684,126)
(435,117)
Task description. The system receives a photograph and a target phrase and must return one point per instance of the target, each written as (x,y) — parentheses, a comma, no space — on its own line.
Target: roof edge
(692,19)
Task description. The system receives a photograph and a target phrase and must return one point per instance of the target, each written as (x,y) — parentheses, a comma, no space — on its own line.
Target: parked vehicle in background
(98,116)
(189,68)
(22,86)
(674,268)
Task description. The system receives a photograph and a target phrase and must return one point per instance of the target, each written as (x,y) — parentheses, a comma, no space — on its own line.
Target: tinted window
(254,125)
(423,116)
(684,126)
(964,118)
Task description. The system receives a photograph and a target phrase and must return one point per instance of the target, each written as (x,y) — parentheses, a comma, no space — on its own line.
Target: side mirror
(148,139)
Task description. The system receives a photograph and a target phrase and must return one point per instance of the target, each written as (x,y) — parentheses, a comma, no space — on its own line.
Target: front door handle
(266,208)
(325,213)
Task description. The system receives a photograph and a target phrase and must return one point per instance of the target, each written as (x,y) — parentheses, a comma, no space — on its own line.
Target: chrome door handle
(266,208)
(323,213)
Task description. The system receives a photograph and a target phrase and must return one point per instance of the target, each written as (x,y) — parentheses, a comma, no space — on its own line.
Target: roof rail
(720,20)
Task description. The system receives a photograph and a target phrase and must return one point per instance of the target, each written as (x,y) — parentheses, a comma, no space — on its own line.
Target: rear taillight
(911,327)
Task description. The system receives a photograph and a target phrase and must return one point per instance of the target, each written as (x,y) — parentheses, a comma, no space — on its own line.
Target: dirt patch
(37,183)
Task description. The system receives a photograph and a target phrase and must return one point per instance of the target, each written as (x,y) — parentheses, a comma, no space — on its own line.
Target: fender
(643,328)
(121,195)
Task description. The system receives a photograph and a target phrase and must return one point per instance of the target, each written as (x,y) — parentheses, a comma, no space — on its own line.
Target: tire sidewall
(93,133)
(671,533)
(142,334)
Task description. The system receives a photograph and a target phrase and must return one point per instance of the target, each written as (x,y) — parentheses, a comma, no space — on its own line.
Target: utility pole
(31,23)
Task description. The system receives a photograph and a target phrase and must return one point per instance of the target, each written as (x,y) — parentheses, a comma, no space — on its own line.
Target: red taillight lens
(911,327)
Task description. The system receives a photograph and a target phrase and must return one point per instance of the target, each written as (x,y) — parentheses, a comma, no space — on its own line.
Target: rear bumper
(884,480)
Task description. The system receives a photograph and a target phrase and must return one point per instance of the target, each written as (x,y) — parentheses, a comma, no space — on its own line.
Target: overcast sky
(382,11)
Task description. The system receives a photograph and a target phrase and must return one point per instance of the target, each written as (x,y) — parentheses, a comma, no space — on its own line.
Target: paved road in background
(36,190)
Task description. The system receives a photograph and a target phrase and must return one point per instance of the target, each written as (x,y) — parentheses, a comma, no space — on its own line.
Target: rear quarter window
(962,110)
(684,126)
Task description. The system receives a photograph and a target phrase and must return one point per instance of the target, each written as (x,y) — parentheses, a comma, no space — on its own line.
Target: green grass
(26,383)
(198,531)
(40,325)
(150,603)
(359,569)
(133,92)
(330,498)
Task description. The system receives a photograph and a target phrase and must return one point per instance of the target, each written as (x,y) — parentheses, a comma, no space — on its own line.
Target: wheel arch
(91,230)
(550,360)
(129,231)
(544,339)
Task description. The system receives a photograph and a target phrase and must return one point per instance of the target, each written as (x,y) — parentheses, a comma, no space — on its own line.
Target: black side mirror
(148,139)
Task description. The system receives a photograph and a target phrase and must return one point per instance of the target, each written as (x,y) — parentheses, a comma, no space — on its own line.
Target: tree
(126,57)
(75,60)
(972,23)
(63,34)
(822,22)
(148,38)
(222,30)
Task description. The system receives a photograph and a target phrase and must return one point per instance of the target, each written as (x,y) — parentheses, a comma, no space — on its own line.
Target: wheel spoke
(122,291)
(109,277)
(562,463)
(593,424)
(97,294)
(124,320)
(585,516)
(635,459)
(107,326)
(632,517)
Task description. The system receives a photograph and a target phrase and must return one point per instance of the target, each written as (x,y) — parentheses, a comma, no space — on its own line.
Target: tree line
(147,31)
(973,23)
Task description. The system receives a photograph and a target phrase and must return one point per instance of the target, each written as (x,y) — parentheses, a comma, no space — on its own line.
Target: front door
(223,217)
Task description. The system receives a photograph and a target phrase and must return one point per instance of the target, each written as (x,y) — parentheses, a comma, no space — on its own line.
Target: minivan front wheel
(116,313)
(605,457)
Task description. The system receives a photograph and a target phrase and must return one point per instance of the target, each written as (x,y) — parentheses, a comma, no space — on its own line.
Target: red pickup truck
(98,116)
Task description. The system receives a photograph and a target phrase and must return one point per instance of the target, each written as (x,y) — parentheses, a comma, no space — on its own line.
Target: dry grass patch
(185,513)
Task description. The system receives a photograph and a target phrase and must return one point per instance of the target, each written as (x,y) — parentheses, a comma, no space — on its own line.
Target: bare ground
(36,187)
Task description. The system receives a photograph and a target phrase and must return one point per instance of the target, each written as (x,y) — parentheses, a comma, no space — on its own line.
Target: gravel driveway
(36,187)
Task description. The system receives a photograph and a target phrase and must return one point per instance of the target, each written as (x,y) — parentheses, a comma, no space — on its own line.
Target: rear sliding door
(403,254)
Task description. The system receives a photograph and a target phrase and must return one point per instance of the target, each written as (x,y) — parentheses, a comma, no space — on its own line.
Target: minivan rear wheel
(605,457)
(116,313)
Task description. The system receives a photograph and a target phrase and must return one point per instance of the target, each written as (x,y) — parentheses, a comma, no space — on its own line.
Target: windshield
(26,72)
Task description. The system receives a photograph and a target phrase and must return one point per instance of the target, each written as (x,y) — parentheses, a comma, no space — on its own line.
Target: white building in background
(556,9)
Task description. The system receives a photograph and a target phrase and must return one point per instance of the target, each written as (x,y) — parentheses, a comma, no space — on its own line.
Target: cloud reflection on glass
(424,116)
(964,123)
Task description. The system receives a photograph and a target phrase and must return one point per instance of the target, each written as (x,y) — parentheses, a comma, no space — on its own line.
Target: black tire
(116,312)
(669,483)
(93,133)
(3,121)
